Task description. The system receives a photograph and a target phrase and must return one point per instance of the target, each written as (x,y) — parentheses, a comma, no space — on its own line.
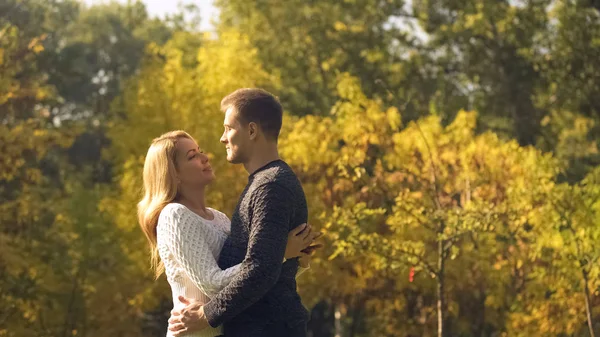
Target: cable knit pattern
(264,291)
(189,246)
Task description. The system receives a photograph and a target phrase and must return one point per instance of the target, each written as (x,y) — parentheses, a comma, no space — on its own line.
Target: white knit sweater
(189,247)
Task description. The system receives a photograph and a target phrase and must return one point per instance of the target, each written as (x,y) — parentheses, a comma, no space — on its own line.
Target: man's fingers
(176,326)
(186,318)
(298,229)
(184,300)
(175,312)
(180,332)
(175,320)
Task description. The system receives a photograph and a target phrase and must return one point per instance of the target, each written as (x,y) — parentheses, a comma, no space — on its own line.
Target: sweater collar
(264,167)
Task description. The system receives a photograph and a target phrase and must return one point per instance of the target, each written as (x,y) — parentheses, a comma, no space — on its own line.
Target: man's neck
(262,158)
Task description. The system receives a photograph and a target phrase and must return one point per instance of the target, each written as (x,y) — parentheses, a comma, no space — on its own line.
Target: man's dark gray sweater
(264,292)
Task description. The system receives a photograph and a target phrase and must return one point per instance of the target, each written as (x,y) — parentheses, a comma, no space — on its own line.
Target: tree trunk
(357,313)
(588,306)
(69,320)
(440,289)
(338,321)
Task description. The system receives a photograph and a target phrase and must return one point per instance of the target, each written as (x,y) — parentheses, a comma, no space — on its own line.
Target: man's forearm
(242,293)
(262,265)
(259,273)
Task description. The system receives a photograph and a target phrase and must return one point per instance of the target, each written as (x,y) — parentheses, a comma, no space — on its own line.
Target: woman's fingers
(298,229)
(307,231)
(312,248)
(307,240)
(311,238)
(316,235)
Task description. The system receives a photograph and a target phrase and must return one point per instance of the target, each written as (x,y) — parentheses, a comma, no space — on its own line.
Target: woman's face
(193,168)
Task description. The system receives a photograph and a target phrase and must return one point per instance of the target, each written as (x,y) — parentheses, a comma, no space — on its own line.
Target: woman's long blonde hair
(160,188)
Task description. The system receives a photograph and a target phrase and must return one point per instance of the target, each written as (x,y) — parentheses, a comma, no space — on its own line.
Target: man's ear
(252,130)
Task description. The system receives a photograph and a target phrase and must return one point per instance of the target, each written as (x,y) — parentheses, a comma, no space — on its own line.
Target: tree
(416,197)
(569,69)
(484,45)
(30,178)
(567,243)
(308,43)
(48,252)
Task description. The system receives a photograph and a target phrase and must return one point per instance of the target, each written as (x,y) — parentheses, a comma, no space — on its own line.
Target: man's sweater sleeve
(272,211)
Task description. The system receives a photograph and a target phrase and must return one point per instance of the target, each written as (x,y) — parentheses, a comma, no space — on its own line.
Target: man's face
(236,138)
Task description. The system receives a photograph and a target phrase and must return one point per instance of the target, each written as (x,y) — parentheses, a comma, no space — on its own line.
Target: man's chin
(233,160)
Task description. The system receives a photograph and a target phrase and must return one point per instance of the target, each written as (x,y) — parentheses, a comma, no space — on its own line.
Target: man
(262,300)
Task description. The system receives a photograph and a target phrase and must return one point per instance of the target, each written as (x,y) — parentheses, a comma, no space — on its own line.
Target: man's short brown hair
(258,106)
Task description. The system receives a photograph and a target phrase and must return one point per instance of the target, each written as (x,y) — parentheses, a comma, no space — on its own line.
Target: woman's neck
(193,199)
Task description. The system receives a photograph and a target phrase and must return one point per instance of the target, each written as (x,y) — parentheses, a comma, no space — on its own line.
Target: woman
(186,236)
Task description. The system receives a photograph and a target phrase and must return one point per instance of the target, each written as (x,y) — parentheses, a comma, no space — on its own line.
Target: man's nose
(223,139)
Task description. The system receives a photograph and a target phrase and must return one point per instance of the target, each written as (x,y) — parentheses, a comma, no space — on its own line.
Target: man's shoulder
(277,173)
(276,181)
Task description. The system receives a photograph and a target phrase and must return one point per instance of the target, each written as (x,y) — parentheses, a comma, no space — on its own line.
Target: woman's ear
(175,177)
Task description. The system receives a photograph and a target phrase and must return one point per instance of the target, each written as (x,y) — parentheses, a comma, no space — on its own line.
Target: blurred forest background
(448,149)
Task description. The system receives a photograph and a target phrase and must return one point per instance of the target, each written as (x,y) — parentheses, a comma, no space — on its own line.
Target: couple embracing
(233,277)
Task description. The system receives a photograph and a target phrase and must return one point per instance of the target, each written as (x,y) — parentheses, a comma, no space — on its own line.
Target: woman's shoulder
(174,211)
(173,208)
(218,213)
(179,211)
(221,220)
